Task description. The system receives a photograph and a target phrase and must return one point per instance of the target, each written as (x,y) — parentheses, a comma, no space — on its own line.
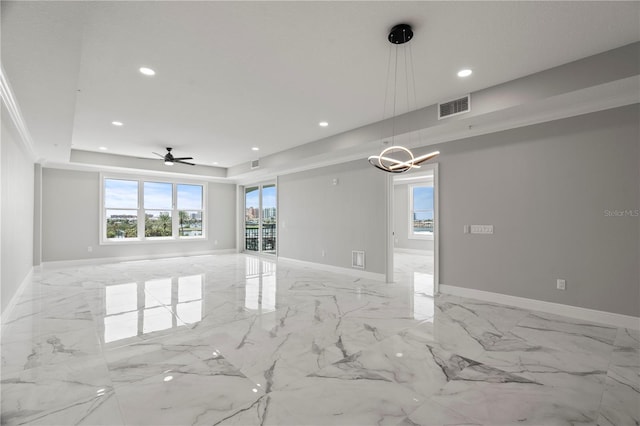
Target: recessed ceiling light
(117,123)
(323,124)
(464,73)
(147,71)
(103,148)
(215,163)
(255,148)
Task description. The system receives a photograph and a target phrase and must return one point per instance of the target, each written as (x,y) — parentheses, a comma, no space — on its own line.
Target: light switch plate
(482,229)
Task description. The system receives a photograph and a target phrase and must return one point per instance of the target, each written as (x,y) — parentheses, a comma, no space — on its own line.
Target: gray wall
(401,221)
(16,224)
(546,188)
(315,215)
(71,215)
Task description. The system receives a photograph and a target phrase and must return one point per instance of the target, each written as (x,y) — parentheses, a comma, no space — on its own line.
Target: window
(138,210)
(421,211)
(121,204)
(158,206)
(190,210)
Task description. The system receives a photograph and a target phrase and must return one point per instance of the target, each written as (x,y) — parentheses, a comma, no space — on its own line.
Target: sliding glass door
(269,210)
(260,223)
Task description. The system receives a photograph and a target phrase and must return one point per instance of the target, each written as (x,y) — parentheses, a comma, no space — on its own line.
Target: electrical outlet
(323,253)
(561,284)
(215,242)
(90,249)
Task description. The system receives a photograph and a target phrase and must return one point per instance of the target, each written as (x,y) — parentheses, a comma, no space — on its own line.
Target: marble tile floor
(239,340)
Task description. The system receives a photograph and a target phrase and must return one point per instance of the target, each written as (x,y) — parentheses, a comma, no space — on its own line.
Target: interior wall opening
(414,215)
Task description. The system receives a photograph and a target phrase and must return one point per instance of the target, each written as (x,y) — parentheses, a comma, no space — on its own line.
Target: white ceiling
(233,75)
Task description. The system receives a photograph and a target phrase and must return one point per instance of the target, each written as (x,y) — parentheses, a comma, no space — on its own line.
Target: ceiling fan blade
(182,158)
(159,155)
(182,162)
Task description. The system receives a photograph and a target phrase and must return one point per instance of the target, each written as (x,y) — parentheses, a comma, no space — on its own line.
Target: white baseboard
(337,269)
(586,314)
(425,252)
(6,314)
(103,260)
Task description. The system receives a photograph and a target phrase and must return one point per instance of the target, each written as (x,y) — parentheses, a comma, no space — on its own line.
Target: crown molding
(9,101)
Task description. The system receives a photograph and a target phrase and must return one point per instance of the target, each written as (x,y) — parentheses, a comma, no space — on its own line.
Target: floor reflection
(138,308)
(190,305)
(423,301)
(416,269)
(260,285)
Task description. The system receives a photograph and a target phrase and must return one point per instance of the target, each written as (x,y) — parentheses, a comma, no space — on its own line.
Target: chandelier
(395,158)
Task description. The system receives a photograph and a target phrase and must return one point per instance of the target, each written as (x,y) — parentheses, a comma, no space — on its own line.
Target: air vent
(255,164)
(357,259)
(454,107)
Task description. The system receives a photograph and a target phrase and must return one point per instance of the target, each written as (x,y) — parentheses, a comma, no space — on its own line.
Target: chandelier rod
(387,85)
(400,34)
(395,97)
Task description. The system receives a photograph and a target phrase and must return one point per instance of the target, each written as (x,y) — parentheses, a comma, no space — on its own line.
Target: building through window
(139,210)
(421,210)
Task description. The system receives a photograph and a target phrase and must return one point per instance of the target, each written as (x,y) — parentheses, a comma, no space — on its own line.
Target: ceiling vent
(255,164)
(454,107)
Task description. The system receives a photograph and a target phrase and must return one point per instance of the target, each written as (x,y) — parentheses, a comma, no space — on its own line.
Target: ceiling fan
(169,159)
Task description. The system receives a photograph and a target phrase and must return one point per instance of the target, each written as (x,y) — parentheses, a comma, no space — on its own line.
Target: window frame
(145,209)
(176,222)
(141,215)
(410,234)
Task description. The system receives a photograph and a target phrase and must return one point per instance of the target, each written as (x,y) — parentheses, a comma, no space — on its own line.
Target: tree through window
(151,210)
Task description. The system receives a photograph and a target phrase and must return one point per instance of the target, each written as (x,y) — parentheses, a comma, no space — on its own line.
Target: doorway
(413,222)
(260,223)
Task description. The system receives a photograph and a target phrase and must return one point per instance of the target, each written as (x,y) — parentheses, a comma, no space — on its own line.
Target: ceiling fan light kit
(399,34)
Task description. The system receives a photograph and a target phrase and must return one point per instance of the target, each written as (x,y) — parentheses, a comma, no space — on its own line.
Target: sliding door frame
(243,228)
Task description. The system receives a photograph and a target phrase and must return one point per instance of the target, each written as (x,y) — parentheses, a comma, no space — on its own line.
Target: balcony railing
(420,226)
(252,237)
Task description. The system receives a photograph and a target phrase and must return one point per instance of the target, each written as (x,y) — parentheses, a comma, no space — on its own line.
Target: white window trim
(175,221)
(410,235)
